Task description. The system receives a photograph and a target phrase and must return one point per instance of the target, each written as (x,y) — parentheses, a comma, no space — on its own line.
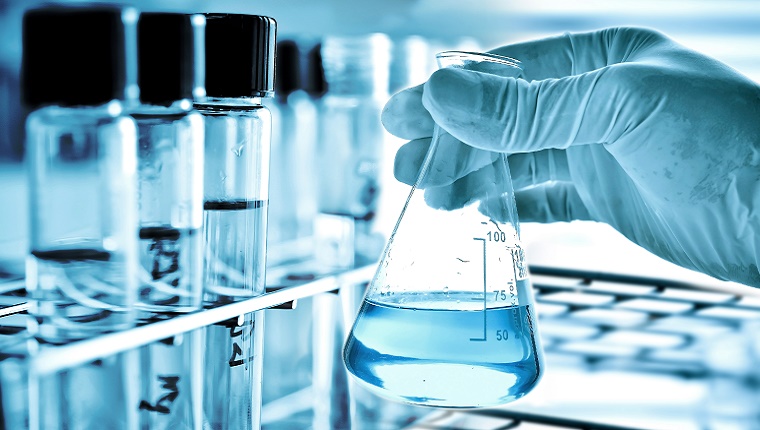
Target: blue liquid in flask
(411,347)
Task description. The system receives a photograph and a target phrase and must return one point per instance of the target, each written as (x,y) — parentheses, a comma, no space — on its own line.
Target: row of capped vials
(329,154)
(148,198)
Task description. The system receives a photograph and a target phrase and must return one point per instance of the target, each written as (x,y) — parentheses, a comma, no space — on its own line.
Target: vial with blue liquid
(449,317)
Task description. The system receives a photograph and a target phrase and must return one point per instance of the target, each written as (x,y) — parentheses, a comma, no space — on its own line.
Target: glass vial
(293,205)
(239,57)
(293,192)
(449,317)
(77,71)
(170,199)
(14,219)
(82,171)
(410,66)
(350,148)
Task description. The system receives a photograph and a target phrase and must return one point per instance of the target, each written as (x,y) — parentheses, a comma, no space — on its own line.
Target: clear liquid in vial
(235,244)
(169,259)
(412,349)
(78,293)
(170,275)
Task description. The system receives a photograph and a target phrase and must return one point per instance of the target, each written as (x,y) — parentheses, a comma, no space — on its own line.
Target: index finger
(404,115)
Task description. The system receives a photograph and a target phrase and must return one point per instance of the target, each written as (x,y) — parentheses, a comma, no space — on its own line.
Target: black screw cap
(240,55)
(75,56)
(165,48)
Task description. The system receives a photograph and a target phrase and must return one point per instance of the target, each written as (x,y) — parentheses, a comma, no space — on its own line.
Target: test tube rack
(591,319)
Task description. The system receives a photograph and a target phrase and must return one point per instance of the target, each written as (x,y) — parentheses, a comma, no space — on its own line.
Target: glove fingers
(405,116)
(553,202)
(457,160)
(573,54)
(514,116)
(453,160)
(536,168)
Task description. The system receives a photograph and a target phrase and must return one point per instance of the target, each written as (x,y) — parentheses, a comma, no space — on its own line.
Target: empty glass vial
(410,66)
(14,219)
(82,171)
(14,224)
(293,191)
(411,63)
(170,198)
(350,148)
(292,207)
(239,57)
(449,319)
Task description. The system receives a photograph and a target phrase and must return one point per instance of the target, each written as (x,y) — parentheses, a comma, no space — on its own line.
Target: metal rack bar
(52,359)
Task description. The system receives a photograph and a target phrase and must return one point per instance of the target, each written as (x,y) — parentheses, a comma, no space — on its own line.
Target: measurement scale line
(485,295)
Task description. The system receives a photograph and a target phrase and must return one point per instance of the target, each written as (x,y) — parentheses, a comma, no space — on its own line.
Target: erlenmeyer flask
(448,319)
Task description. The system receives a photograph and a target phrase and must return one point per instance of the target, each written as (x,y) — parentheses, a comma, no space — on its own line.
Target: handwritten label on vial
(161,406)
(237,344)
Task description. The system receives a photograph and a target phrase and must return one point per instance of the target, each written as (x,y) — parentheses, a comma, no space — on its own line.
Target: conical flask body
(449,318)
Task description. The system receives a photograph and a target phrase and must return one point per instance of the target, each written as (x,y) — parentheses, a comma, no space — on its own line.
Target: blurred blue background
(727,30)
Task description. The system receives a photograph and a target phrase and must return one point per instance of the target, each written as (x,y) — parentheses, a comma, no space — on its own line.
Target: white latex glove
(622,126)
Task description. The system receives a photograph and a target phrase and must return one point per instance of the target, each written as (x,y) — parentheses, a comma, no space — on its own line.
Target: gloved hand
(622,126)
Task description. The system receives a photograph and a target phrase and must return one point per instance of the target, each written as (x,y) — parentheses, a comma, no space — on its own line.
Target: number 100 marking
(497,236)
